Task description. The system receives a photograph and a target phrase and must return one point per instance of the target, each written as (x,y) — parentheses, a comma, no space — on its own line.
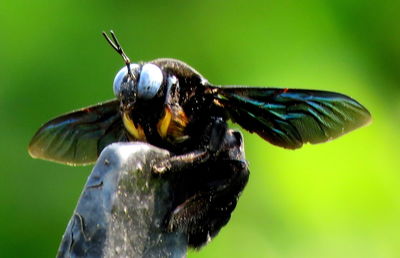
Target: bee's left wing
(77,138)
(291,117)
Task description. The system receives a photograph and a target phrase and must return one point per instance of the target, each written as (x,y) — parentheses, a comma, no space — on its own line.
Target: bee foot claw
(161,167)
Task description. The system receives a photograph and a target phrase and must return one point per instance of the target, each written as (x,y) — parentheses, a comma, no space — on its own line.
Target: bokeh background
(338,199)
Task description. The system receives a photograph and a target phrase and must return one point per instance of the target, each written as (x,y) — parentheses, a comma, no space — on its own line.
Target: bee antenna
(114,43)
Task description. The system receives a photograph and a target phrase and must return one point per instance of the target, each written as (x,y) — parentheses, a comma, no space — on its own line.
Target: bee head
(142,81)
(135,82)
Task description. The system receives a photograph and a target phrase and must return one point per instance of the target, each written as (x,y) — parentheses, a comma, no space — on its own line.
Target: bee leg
(205,197)
(181,162)
(212,143)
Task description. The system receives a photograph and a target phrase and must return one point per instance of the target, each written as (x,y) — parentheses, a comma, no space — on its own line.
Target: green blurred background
(339,199)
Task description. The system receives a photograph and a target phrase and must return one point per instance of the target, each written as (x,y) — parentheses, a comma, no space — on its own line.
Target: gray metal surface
(121,208)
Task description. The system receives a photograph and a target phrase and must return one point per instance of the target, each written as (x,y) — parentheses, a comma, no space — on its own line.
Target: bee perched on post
(168,104)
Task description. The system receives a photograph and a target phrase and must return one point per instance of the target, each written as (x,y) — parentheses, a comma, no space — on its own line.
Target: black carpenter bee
(167,103)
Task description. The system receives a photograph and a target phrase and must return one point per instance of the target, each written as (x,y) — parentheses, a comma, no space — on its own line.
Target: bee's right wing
(291,117)
(77,138)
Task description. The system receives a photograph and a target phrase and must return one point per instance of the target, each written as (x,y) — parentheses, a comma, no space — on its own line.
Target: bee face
(142,83)
(142,95)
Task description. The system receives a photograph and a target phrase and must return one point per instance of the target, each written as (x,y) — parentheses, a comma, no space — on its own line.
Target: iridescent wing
(77,138)
(291,117)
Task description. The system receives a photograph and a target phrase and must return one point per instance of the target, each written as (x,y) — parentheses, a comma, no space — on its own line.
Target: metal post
(122,207)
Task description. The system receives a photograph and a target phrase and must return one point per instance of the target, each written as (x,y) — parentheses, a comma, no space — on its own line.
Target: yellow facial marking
(172,125)
(163,124)
(136,132)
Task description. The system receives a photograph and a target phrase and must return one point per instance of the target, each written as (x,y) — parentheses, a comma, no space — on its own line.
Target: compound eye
(121,77)
(150,81)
